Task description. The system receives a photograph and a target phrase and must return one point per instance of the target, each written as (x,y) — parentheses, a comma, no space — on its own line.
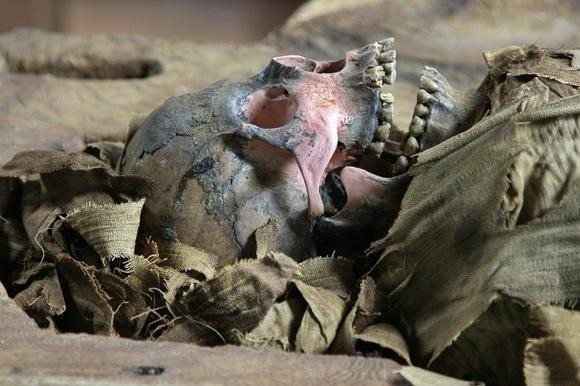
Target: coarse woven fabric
(491,212)
(332,273)
(111,230)
(239,296)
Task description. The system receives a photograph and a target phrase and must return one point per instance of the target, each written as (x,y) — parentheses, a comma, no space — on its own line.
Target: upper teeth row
(382,71)
(382,68)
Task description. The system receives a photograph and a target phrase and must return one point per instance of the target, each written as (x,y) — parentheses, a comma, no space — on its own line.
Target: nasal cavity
(270,107)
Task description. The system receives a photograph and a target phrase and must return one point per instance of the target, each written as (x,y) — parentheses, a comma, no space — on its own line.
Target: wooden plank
(43,102)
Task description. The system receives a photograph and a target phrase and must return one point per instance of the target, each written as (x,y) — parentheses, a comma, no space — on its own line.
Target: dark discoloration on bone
(205,165)
(197,170)
(201,149)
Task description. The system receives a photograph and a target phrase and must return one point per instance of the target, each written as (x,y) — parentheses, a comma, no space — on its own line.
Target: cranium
(231,158)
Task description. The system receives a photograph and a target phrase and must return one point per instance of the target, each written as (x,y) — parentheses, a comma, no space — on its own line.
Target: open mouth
(372,174)
(335,118)
(377,157)
(380,72)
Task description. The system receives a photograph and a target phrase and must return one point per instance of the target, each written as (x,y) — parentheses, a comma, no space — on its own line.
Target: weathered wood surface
(30,356)
(46,110)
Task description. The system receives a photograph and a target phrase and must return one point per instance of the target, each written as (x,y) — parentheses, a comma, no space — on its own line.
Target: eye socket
(270,107)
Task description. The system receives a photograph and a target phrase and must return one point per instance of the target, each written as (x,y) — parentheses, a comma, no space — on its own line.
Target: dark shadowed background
(200,20)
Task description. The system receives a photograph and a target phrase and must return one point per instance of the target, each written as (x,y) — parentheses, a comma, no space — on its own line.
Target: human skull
(237,155)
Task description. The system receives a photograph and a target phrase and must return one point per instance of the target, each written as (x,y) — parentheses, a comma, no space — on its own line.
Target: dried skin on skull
(230,158)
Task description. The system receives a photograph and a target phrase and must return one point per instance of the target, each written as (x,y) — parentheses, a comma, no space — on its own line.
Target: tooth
(387,56)
(375,73)
(387,113)
(377,148)
(387,44)
(421,110)
(389,67)
(424,97)
(411,146)
(384,131)
(417,127)
(428,84)
(401,164)
(390,78)
(376,48)
(387,97)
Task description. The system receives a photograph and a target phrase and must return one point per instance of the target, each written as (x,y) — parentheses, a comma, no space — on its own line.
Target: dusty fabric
(48,185)
(552,361)
(559,65)
(266,238)
(278,328)
(185,330)
(381,339)
(331,273)
(60,171)
(107,151)
(77,215)
(130,310)
(365,329)
(500,220)
(88,309)
(322,316)
(240,295)
(43,299)
(308,319)
(186,258)
(111,230)
(492,348)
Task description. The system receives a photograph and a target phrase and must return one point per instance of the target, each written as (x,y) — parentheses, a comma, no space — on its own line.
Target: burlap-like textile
(492,213)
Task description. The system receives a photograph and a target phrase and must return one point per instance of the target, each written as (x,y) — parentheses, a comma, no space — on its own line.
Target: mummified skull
(237,155)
